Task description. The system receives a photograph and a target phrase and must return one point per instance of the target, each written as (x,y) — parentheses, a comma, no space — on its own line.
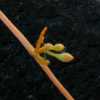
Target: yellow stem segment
(40,40)
(32,52)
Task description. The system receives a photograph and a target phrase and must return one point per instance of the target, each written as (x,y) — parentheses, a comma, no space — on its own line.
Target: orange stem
(28,46)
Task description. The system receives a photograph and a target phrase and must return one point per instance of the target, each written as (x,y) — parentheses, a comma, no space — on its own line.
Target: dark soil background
(76,24)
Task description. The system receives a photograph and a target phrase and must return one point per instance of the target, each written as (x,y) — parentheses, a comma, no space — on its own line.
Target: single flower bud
(58,47)
(64,57)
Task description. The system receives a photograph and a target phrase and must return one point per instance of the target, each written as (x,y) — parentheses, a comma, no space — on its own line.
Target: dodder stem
(28,46)
(18,34)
